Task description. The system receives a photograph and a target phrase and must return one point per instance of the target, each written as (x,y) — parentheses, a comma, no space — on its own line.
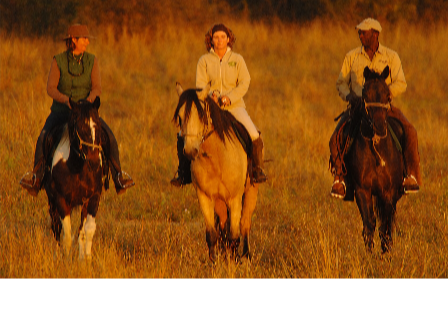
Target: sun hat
(78,30)
(368,24)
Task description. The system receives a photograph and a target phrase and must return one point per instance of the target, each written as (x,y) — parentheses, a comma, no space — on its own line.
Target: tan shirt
(351,76)
(53,81)
(228,76)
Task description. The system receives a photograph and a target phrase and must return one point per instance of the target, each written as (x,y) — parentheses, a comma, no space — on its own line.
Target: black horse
(374,164)
(76,176)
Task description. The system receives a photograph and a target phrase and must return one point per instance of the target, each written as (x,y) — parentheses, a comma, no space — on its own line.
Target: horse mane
(222,120)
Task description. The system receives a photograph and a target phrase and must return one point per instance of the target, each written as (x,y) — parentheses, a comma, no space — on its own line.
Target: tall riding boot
(32,181)
(121,179)
(183,171)
(338,189)
(257,161)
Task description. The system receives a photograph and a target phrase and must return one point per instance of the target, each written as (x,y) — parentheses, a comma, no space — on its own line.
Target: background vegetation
(156,231)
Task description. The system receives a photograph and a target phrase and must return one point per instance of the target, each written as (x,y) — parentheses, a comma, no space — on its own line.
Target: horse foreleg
(56,225)
(207,206)
(235,206)
(222,223)
(82,235)
(387,214)
(249,203)
(365,206)
(67,237)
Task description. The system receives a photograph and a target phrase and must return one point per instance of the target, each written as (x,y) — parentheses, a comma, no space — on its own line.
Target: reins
(376,138)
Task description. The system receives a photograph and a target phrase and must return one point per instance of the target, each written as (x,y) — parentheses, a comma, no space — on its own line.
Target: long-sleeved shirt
(228,76)
(351,77)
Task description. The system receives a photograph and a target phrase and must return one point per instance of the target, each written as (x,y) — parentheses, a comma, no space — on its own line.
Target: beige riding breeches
(243,117)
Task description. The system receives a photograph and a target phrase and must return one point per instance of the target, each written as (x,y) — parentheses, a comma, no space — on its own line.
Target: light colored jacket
(351,76)
(228,77)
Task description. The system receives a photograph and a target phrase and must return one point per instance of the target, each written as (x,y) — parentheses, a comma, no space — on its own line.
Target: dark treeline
(36,18)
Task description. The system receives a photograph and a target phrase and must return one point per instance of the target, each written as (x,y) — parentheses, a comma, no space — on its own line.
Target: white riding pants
(243,117)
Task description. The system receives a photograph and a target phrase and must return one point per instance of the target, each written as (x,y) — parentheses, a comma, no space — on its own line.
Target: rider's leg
(183,171)
(243,117)
(338,188)
(121,179)
(32,181)
(412,179)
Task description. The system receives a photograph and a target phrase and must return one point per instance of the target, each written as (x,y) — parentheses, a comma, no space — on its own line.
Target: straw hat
(368,24)
(78,30)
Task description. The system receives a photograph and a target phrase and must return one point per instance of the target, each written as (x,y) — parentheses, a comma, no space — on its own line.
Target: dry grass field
(157,231)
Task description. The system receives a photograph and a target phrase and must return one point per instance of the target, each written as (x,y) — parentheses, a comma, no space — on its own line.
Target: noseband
(85,143)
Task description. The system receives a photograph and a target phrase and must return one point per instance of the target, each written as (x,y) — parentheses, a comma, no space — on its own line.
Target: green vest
(75,80)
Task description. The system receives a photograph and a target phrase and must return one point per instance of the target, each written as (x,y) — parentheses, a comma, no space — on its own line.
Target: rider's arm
(52,84)
(243,82)
(202,78)
(343,82)
(96,82)
(398,82)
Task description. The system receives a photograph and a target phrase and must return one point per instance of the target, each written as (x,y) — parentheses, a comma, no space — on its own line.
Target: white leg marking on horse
(67,231)
(82,241)
(89,227)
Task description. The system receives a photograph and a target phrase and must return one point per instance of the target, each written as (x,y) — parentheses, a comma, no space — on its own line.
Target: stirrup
(127,177)
(33,178)
(414,188)
(339,195)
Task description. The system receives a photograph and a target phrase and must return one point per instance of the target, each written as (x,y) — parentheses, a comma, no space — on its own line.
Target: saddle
(51,142)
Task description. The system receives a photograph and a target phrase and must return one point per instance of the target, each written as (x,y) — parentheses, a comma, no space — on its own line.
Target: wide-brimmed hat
(368,24)
(78,30)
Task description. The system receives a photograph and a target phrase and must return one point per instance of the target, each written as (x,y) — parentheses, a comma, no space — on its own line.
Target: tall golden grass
(157,231)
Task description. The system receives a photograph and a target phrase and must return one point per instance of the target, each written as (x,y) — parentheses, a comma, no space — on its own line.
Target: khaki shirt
(228,76)
(351,77)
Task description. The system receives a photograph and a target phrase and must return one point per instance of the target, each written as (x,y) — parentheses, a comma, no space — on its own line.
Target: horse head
(377,98)
(192,118)
(85,128)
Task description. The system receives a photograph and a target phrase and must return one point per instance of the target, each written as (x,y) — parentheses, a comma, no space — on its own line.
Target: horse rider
(74,74)
(350,84)
(229,77)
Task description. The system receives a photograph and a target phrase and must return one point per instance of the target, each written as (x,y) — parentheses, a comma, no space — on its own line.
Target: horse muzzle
(191,152)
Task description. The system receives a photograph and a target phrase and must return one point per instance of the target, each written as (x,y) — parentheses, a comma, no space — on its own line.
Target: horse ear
(179,88)
(204,93)
(97,103)
(367,73)
(385,73)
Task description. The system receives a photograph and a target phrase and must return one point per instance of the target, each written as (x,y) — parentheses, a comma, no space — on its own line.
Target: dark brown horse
(374,164)
(76,176)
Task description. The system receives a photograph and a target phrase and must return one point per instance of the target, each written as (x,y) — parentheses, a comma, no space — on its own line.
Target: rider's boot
(121,179)
(338,189)
(183,171)
(32,181)
(257,161)
(410,184)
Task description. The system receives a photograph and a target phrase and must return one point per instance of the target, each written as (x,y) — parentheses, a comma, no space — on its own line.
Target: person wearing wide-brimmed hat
(350,83)
(74,74)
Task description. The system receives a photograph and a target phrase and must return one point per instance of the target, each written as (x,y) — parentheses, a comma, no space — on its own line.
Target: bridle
(376,138)
(205,132)
(85,143)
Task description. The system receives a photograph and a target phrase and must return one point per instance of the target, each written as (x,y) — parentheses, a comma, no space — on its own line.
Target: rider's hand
(225,101)
(353,99)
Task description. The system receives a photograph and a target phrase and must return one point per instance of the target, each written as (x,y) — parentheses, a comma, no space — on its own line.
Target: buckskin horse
(375,165)
(76,176)
(219,170)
